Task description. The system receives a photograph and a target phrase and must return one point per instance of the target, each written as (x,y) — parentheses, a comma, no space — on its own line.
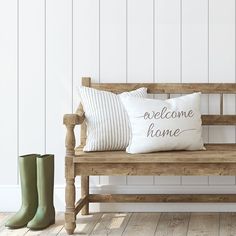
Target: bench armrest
(73,119)
(70,121)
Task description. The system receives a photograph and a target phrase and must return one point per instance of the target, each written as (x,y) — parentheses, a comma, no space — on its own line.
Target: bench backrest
(171,88)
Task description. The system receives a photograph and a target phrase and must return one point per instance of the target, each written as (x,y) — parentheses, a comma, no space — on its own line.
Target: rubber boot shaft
(45,215)
(28,181)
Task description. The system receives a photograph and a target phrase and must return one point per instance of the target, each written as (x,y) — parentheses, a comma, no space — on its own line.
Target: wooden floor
(135,224)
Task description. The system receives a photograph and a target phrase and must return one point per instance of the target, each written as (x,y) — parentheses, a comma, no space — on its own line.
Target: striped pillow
(106,118)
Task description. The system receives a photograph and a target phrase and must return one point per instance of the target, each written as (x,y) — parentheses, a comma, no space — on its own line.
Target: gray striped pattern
(107,121)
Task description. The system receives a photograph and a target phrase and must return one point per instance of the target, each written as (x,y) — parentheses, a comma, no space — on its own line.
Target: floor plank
(227,224)
(84,224)
(3,218)
(203,224)
(14,232)
(142,224)
(173,224)
(129,224)
(112,224)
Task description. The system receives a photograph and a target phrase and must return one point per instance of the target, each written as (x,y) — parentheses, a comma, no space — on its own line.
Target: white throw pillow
(161,125)
(107,121)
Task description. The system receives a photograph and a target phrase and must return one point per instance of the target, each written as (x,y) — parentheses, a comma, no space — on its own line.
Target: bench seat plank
(214,153)
(158,169)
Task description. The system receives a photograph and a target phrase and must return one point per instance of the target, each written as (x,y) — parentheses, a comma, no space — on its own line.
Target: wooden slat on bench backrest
(219,119)
(172,88)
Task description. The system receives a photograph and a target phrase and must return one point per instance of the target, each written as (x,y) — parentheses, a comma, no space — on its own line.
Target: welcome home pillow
(161,125)
(107,121)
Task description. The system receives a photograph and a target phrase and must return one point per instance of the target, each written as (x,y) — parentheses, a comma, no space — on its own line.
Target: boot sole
(15,227)
(41,228)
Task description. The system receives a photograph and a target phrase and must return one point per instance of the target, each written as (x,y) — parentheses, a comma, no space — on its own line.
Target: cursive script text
(167,114)
(153,132)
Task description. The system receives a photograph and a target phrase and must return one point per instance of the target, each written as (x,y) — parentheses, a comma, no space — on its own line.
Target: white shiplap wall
(47,46)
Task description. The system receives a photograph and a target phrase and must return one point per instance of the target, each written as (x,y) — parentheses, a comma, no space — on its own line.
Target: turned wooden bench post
(85,193)
(70,215)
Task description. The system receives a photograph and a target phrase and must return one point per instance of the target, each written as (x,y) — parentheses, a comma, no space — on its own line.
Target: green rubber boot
(27,168)
(45,215)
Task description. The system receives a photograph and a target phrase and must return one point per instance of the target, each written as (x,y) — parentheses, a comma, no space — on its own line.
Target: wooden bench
(218,159)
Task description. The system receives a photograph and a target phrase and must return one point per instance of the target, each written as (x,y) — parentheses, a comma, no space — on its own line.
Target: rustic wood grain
(142,224)
(162,169)
(172,88)
(227,224)
(14,232)
(219,119)
(84,224)
(215,153)
(80,204)
(203,224)
(173,224)
(70,215)
(112,224)
(217,159)
(4,216)
(85,193)
(169,224)
(221,103)
(73,119)
(230,198)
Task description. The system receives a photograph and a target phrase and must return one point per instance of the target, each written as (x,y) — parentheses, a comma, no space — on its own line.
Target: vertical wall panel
(167,41)
(140,52)
(167,53)
(195,41)
(222,67)
(113,53)
(8,91)
(140,40)
(195,55)
(85,49)
(58,78)
(85,43)
(31,77)
(113,41)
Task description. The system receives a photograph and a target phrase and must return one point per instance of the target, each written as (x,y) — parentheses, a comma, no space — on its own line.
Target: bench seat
(217,159)
(214,153)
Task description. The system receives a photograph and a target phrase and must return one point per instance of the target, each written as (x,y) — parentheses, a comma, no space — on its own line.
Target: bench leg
(84,193)
(70,216)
